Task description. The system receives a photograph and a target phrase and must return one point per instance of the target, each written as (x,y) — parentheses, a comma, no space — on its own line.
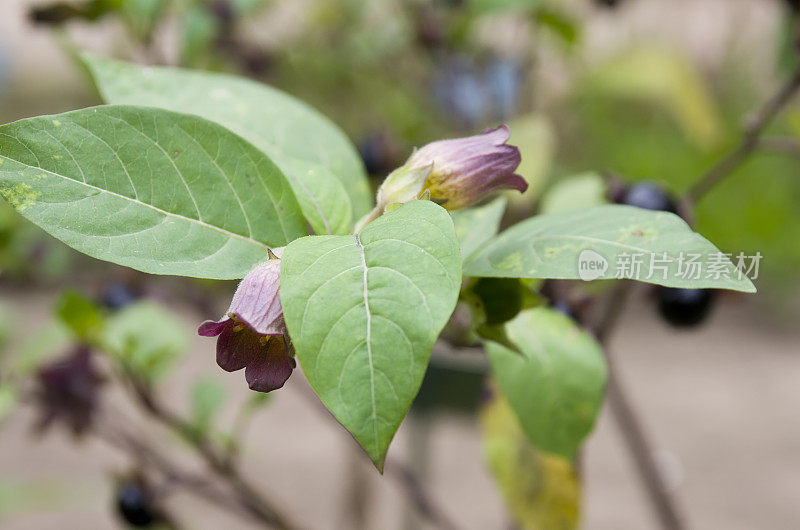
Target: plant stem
(664,503)
(258,505)
(621,405)
(629,422)
(749,142)
(419,495)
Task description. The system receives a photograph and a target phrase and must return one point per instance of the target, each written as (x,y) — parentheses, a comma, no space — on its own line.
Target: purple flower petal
(237,348)
(256,301)
(211,328)
(251,335)
(462,171)
(272,368)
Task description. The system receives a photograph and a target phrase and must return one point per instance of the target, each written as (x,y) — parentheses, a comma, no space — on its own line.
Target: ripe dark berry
(377,153)
(607,3)
(649,196)
(684,307)
(135,504)
(117,295)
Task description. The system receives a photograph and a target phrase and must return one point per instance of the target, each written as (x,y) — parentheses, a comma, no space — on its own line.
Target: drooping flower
(252,334)
(68,391)
(457,173)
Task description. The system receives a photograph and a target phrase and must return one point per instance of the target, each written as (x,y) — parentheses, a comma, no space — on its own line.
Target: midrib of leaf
(154,208)
(374,416)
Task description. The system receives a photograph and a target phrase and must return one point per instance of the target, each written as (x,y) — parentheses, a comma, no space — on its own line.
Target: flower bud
(252,334)
(457,172)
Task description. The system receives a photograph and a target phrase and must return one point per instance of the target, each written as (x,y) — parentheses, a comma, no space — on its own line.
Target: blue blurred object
(117,295)
(459,91)
(134,504)
(503,78)
(649,196)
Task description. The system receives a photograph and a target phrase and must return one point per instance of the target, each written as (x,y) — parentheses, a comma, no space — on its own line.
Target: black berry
(117,295)
(649,196)
(684,307)
(376,153)
(135,504)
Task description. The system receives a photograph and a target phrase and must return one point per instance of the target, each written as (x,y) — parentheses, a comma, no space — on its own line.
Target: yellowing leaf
(542,491)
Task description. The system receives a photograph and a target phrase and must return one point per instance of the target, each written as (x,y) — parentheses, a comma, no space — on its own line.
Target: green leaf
(6,326)
(561,24)
(556,386)
(535,138)
(8,400)
(157,191)
(80,316)
(199,30)
(551,246)
(474,226)
(487,6)
(542,491)
(667,78)
(364,311)
(501,299)
(146,337)
(142,16)
(575,193)
(321,164)
(208,397)
(50,339)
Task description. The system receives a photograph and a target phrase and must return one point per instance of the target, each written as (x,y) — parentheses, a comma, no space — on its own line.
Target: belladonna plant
(252,185)
(458,172)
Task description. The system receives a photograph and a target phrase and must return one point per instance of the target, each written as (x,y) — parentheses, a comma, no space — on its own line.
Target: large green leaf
(556,386)
(364,311)
(474,226)
(577,192)
(80,315)
(561,245)
(323,168)
(158,191)
(542,491)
